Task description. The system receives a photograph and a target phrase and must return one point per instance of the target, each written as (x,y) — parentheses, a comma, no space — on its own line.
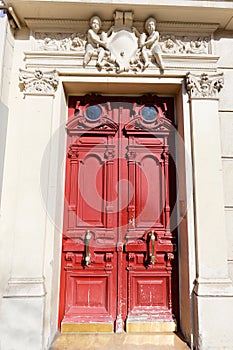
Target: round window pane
(149,113)
(93,113)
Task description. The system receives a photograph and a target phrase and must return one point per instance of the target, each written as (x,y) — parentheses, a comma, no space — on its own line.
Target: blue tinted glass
(93,112)
(149,113)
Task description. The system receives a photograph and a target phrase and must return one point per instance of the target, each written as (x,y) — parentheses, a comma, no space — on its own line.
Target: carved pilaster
(204,85)
(38,82)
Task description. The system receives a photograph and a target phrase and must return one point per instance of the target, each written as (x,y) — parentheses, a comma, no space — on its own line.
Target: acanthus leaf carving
(204,85)
(38,81)
(61,41)
(172,44)
(169,44)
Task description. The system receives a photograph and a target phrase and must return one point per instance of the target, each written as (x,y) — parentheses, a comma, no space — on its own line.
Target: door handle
(152,254)
(87,247)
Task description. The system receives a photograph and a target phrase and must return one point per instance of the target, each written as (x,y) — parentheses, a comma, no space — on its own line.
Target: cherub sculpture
(95,43)
(150,44)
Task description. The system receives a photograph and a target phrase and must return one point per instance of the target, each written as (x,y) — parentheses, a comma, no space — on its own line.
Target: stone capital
(204,86)
(38,82)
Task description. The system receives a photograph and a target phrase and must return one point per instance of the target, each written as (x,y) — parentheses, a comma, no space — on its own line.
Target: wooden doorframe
(172,87)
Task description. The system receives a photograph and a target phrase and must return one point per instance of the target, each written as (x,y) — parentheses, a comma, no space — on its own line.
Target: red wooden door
(117,244)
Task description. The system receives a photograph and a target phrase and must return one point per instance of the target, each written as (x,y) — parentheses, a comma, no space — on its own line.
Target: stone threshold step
(122,341)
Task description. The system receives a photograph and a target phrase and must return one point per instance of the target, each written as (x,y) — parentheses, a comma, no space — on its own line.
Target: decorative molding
(218,287)
(53,22)
(184,45)
(38,82)
(25,287)
(204,85)
(60,41)
(125,45)
(187,27)
(73,153)
(80,123)
(169,43)
(109,153)
(71,25)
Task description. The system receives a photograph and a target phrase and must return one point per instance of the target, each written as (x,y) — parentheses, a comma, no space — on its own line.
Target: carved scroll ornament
(38,82)
(204,85)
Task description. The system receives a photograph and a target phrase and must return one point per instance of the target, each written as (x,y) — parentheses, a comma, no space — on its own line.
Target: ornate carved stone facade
(184,45)
(204,85)
(124,45)
(38,82)
(60,41)
(169,43)
(194,37)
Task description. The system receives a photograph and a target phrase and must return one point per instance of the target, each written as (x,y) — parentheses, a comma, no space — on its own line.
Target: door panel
(117,244)
(148,195)
(91,203)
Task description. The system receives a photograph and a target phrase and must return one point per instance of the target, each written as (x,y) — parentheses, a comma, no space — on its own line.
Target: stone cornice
(69,24)
(70,64)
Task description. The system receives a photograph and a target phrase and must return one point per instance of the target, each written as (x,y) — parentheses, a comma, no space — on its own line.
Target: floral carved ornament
(122,47)
(204,85)
(38,81)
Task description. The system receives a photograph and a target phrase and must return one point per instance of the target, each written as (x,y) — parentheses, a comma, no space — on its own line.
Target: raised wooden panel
(150,292)
(149,295)
(91,192)
(87,294)
(91,292)
(148,193)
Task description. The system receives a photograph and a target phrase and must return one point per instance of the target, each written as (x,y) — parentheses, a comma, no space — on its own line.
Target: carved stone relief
(121,47)
(184,45)
(204,85)
(38,82)
(169,43)
(60,41)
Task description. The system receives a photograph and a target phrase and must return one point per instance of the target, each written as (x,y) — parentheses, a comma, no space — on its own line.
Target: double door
(117,246)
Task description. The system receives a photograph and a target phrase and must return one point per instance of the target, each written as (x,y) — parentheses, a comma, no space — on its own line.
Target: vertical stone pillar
(24,297)
(213,293)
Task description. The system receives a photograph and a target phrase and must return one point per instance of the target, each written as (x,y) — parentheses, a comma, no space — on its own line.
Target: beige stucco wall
(6,61)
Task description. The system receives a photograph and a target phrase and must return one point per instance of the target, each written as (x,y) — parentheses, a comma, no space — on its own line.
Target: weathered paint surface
(117,244)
